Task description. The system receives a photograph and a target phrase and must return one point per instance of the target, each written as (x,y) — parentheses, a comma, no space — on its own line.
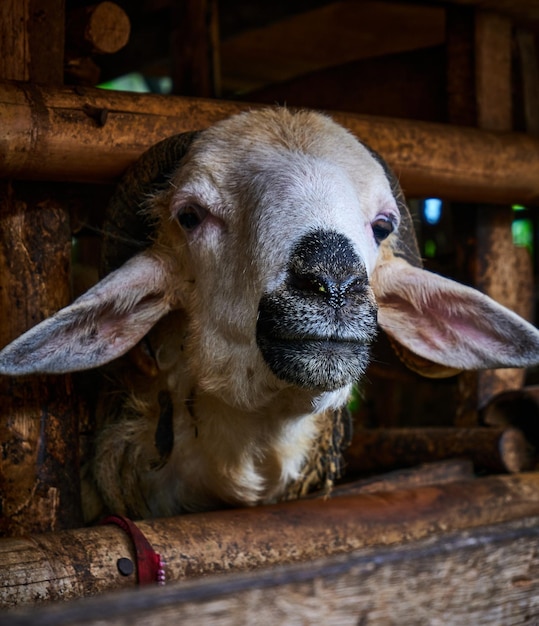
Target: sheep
(247,270)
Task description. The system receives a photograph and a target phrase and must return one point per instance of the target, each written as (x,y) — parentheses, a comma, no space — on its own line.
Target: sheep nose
(324,264)
(336,292)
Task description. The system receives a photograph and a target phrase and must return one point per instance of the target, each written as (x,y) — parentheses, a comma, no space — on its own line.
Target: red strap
(149,563)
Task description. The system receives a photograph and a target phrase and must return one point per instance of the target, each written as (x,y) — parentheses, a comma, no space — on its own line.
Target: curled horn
(127,227)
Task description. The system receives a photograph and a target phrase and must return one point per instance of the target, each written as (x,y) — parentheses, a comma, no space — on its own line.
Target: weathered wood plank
(483,576)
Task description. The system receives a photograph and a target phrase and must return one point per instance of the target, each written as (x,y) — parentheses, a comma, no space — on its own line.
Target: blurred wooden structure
(448,93)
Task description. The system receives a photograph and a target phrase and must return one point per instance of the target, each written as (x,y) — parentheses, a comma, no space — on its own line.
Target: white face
(279,224)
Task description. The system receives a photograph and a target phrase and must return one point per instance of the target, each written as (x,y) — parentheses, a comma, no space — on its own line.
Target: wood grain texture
(102,28)
(89,135)
(71,563)
(38,434)
(498,262)
(14,43)
(480,90)
(39,488)
(491,449)
(483,576)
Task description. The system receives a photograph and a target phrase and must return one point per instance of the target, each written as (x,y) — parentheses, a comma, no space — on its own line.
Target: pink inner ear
(445,318)
(448,323)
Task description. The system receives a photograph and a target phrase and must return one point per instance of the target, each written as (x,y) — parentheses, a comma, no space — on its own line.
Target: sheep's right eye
(191,216)
(382,227)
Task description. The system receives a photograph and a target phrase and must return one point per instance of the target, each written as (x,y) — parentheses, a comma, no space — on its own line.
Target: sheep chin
(317,364)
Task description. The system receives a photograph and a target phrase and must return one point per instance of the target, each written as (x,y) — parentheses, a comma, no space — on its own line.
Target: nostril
(324,264)
(334,291)
(309,283)
(355,284)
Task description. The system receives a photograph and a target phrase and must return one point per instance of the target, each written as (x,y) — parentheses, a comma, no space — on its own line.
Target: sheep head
(259,268)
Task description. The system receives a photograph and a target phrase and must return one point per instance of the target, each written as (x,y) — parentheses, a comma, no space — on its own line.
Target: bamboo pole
(92,135)
(79,562)
(483,576)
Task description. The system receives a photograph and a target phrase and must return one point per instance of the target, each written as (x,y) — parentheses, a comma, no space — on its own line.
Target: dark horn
(127,227)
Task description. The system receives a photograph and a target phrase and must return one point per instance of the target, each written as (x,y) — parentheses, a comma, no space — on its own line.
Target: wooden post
(480,94)
(502,272)
(39,488)
(32,40)
(529,77)
(195,48)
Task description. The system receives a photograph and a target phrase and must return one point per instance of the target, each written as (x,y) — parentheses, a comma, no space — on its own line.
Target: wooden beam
(92,135)
(483,576)
(327,36)
(79,562)
(493,83)
(356,87)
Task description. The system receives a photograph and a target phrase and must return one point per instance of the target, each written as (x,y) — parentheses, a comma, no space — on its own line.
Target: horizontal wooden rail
(492,449)
(82,562)
(92,135)
(483,576)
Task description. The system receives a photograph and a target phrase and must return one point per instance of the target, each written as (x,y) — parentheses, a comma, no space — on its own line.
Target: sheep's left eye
(382,227)
(191,215)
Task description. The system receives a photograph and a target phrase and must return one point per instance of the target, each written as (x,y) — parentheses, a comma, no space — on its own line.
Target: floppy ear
(98,327)
(442,327)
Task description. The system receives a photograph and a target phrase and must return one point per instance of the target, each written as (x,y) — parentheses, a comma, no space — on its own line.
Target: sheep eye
(382,227)
(191,215)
